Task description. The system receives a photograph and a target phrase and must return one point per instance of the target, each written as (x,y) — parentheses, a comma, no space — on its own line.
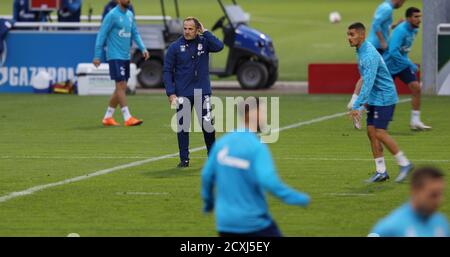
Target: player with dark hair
(379,96)
(399,65)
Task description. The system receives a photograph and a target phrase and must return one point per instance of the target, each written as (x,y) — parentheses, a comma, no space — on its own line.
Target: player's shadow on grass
(172,173)
(91,128)
(402,133)
(373,188)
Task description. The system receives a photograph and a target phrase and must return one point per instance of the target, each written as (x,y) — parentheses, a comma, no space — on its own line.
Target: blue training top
(117,31)
(406,222)
(240,169)
(400,43)
(378,86)
(382,21)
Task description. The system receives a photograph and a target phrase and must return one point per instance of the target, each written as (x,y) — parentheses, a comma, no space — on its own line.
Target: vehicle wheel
(272,79)
(151,74)
(252,75)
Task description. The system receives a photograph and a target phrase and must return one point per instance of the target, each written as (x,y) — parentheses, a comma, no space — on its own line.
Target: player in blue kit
(399,65)
(238,172)
(378,37)
(419,216)
(382,24)
(117,31)
(379,96)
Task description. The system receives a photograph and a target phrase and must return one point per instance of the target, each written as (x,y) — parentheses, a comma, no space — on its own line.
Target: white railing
(55,25)
(99,17)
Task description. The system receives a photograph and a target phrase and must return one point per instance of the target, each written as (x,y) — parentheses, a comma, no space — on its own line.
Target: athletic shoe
(133,122)
(378,177)
(404,171)
(183,164)
(110,122)
(419,126)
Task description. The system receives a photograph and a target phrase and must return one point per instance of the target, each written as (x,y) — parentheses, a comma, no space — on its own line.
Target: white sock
(381,165)
(401,159)
(415,116)
(109,112)
(126,113)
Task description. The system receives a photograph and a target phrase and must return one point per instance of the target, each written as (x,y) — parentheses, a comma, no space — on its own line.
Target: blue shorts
(407,76)
(119,70)
(271,231)
(380,116)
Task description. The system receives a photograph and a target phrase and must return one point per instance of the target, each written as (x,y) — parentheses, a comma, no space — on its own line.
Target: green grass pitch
(50,138)
(300,29)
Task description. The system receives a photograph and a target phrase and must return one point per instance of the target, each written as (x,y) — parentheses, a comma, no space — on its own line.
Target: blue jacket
(400,43)
(382,21)
(69,11)
(406,222)
(111,5)
(236,176)
(117,31)
(186,65)
(378,87)
(22,13)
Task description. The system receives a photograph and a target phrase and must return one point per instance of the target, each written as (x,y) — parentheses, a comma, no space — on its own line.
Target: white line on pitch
(334,159)
(350,194)
(142,193)
(38,188)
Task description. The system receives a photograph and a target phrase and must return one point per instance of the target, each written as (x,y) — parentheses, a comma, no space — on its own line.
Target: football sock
(381,165)
(109,112)
(126,113)
(415,116)
(401,159)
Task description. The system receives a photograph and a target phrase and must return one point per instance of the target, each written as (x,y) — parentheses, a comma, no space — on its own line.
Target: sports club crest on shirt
(182,48)
(200,49)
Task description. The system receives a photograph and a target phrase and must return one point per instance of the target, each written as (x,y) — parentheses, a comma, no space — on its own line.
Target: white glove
(352,101)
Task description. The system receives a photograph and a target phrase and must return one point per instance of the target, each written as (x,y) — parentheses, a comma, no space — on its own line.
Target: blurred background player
(116,32)
(186,68)
(419,216)
(22,12)
(382,23)
(69,11)
(379,96)
(236,176)
(378,37)
(398,63)
(111,5)
(5,27)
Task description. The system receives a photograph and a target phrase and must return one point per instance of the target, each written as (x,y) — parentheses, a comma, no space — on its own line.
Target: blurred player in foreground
(419,216)
(240,170)
(379,96)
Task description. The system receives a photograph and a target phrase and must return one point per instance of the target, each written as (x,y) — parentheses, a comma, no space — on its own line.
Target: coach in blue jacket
(186,68)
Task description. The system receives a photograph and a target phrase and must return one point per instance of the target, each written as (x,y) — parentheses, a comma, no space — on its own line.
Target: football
(335,17)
